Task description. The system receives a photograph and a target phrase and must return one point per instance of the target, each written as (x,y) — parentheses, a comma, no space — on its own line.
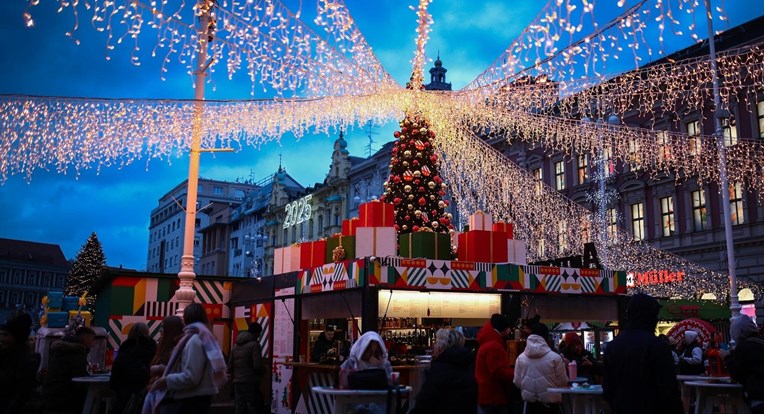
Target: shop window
(638,221)
(667,217)
(694,139)
(698,199)
(736,204)
(729,131)
(583,175)
(761,119)
(560,175)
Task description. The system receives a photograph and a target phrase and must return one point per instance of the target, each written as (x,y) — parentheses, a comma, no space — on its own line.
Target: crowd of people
(185,369)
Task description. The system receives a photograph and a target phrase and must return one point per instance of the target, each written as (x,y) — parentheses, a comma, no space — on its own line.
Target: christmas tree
(87,270)
(414,186)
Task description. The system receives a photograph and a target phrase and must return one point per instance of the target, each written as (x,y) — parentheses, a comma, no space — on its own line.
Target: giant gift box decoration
(55,299)
(425,244)
(348,243)
(70,303)
(57,319)
(312,254)
(286,259)
(503,227)
(350,226)
(86,315)
(516,252)
(479,221)
(375,241)
(483,246)
(376,214)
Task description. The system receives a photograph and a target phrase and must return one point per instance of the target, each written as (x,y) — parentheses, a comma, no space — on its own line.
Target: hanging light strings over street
(564,60)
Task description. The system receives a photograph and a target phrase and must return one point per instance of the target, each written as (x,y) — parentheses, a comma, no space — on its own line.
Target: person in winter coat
(450,385)
(130,371)
(691,362)
(492,366)
(638,372)
(537,369)
(324,343)
(246,368)
(195,371)
(368,353)
(68,359)
(18,365)
(745,362)
(573,350)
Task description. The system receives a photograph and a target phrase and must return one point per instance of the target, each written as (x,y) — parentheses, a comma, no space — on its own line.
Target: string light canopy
(563,67)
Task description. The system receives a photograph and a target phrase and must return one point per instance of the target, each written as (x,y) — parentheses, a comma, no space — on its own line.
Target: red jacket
(492,368)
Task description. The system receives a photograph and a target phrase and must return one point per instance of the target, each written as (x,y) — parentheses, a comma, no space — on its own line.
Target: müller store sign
(654,277)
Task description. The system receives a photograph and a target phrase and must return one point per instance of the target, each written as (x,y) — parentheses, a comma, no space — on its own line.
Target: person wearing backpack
(246,368)
(745,362)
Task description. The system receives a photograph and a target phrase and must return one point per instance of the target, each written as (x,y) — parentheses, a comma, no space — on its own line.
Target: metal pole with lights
(185,293)
(719,113)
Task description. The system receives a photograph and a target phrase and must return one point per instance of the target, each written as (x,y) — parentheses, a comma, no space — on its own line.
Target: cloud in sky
(116,203)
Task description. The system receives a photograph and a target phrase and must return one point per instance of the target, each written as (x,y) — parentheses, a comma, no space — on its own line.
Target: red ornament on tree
(397,134)
(408,176)
(425,171)
(422,201)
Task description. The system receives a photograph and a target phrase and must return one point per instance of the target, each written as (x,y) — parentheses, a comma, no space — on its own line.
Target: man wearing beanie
(492,366)
(638,374)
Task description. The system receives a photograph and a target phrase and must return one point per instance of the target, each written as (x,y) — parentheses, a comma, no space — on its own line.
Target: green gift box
(348,243)
(425,244)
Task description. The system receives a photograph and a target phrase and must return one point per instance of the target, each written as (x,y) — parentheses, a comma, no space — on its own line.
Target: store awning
(680,309)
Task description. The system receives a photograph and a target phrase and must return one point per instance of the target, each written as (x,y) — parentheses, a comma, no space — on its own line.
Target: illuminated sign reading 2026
(297,211)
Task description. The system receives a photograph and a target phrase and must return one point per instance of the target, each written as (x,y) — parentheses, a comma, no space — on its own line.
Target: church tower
(438,77)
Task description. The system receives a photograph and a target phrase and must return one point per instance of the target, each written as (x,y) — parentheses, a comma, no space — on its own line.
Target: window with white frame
(760,108)
(694,138)
(560,175)
(583,175)
(699,206)
(612,222)
(729,131)
(736,204)
(562,230)
(667,217)
(633,151)
(664,143)
(538,179)
(638,221)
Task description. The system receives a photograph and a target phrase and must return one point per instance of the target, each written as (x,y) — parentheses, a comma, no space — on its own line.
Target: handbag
(368,379)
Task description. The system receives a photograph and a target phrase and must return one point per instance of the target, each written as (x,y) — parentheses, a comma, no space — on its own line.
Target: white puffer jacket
(537,369)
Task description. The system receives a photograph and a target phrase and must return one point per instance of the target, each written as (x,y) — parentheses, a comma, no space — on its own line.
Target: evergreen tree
(414,186)
(87,269)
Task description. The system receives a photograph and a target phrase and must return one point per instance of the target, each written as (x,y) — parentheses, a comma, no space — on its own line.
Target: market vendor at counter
(328,347)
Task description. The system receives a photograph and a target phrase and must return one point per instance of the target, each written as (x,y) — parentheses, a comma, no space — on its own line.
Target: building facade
(168,219)
(28,270)
(687,218)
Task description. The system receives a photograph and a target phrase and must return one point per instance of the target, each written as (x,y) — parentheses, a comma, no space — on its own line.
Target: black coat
(745,364)
(638,368)
(450,385)
(18,369)
(130,372)
(68,359)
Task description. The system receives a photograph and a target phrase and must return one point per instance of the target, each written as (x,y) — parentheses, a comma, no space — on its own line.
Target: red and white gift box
(516,252)
(503,227)
(479,221)
(482,246)
(375,241)
(286,259)
(376,214)
(312,254)
(350,226)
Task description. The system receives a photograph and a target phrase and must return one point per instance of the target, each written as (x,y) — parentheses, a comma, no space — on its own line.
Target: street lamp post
(735,307)
(185,293)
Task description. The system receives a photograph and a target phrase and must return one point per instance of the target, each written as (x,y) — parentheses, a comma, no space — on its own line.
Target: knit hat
(499,322)
(571,338)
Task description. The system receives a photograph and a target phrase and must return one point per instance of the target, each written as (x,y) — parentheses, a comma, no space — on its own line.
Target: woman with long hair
(130,372)
(171,331)
(195,371)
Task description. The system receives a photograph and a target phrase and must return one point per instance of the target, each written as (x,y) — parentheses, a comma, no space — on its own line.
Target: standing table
(582,400)
(346,400)
(98,390)
(721,393)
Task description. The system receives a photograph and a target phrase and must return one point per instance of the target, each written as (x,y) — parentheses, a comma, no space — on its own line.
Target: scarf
(212,352)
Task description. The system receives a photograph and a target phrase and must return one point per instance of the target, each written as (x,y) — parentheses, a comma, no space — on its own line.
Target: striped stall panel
(158,310)
(320,403)
(119,328)
(213,292)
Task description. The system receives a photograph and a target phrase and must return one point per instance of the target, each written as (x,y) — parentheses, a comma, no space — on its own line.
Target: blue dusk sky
(115,203)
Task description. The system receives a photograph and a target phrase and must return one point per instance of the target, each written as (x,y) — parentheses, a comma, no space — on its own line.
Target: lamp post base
(185,293)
